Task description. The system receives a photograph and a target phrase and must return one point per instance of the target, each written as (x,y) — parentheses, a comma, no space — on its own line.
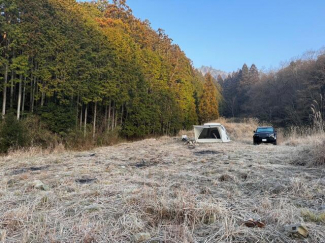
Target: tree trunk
(85,121)
(19,97)
(77,114)
(36,91)
(113,117)
(105,116)
(109,115)
(5,92)
(80,122)
(12,84)
(12,89)
(95,115)
(31,92)
(122,114)
(24,97)
(42,99)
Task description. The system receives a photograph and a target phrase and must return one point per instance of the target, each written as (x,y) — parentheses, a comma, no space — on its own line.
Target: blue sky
(227,33)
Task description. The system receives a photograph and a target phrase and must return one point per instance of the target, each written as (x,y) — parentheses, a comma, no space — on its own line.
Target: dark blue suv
(264,135)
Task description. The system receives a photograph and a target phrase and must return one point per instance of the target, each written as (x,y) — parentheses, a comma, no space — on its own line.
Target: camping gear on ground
(190,143)
(254,223)
(184,138)
(211,133)
(297,229)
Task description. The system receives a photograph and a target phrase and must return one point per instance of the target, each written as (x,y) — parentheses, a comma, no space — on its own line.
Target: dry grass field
(159,190)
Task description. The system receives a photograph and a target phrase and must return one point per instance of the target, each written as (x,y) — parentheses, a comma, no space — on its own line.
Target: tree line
(293,95)
(94,67)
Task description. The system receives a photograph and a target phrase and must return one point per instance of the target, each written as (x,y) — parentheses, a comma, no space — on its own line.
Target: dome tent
(211,133)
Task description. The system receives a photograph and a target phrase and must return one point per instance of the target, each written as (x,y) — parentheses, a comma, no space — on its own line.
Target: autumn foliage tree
(209,104)
(93,68)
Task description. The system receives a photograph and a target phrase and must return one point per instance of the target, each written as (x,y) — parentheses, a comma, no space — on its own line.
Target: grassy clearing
(158,190)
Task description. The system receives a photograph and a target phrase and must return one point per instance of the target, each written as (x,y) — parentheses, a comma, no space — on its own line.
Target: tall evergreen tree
(209,107)
(253,75)
(220,80)
(243,87)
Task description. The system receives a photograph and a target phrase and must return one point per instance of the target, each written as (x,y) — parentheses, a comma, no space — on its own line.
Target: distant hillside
(214,72)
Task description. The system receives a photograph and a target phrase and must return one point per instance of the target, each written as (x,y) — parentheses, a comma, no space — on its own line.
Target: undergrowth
(31,134)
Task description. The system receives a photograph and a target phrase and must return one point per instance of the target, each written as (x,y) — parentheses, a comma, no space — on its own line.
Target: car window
(265,129)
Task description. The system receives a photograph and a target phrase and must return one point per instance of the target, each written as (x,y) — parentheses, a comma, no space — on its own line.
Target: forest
(293,95)
(84,71)
(92,72)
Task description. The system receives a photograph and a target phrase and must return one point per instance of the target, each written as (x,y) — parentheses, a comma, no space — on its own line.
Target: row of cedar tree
(94,67)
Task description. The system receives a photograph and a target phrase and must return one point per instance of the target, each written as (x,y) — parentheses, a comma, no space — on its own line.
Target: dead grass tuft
(319,155)
(311,216)
(33,151)
(311,153)
(176,207)
(301,136)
